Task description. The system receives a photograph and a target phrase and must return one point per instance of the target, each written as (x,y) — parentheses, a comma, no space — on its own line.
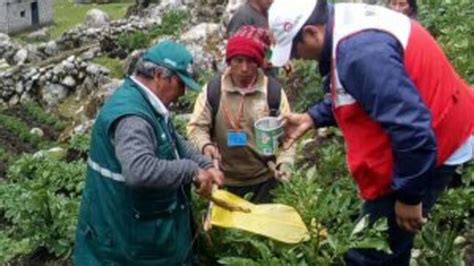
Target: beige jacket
(241,166)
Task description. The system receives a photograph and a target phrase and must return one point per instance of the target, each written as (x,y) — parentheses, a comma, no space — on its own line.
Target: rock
(323,132)
(201,32)
(96,18)
(89,55)
(157,11)
(56,153)
(204,41)
(69,81)
(14,100)
(20,57)
(40,35)
(109,88)
(68,66)
(88,85)
(93,69)
(131,61)
(25,98)
(37,131)
(51,48)
(4,37)
(19,87)
(52,93)
(33,71)
(3,64)
(58,70)
(27,86)
(93,31)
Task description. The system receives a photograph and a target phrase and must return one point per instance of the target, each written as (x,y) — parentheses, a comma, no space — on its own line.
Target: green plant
(38,113)
(114,64)
(171,24)
(21,129)
(303,86)
(179,124)
(3,154)
(186,102)
(133,41)
(38,206)
(452,24)
(80,142)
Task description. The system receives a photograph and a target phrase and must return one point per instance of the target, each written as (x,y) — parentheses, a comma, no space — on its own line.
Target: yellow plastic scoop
(276,221)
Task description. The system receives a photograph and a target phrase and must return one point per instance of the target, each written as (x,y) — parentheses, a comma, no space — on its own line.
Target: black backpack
(273,95)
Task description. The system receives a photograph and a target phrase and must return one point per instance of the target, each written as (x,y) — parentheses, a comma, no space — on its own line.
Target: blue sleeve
(371,68)
(321,113)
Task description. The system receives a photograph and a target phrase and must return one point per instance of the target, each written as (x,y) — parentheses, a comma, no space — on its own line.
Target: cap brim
(281,54)
(190,83)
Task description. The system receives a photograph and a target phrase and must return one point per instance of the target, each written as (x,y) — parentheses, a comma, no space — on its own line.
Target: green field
(67,14)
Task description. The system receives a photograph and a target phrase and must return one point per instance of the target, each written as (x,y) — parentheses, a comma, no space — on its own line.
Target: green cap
(175,57)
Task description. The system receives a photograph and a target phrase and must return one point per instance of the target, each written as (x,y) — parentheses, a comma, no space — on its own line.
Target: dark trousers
(261,192)
(400,240)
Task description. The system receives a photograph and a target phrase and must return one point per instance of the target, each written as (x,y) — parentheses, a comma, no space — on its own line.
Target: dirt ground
(12,144)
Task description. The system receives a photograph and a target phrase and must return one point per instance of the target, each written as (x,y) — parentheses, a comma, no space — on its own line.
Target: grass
(113,64)
(67,14)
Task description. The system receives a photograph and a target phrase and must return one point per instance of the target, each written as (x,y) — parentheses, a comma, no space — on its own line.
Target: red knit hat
(248,41)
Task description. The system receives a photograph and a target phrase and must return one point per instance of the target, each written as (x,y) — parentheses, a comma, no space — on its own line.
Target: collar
(153,99)
(229,86)
(325,63)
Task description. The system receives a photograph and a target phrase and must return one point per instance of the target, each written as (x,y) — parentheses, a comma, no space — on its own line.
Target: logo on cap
(170,62)
(287,26)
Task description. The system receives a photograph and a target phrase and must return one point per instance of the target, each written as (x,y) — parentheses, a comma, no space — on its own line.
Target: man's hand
(217,176)
(281,171)
(295,125)
(409,217)
(212,152)
(288,67)
(203,182)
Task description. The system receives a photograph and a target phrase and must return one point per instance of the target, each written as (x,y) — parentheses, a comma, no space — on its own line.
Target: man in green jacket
(135,206)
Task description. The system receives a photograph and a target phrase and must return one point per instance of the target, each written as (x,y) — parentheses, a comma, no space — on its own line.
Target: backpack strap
(214,95)
(273,96)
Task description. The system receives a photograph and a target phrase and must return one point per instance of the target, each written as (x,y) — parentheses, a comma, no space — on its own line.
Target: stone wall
(53,82)
(74,38)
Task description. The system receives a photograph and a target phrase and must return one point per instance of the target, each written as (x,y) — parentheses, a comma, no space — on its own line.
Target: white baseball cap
(286,18)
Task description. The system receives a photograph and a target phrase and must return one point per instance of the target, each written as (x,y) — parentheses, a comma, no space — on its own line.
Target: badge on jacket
(236,139)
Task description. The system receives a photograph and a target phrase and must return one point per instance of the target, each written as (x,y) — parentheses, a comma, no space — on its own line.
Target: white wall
(17,23)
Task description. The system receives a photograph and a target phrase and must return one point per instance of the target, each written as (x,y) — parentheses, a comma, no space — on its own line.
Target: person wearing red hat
(224,114)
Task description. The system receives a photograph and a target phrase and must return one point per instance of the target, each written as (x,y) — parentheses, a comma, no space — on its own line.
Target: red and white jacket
(448,98)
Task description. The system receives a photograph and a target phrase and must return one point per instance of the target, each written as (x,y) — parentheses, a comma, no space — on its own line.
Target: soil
(50,133)
(75,155)
(12,144)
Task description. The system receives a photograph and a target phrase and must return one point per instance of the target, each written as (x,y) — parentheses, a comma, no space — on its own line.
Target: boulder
(52,93)
(69,81)
(20,57)
(96,18)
